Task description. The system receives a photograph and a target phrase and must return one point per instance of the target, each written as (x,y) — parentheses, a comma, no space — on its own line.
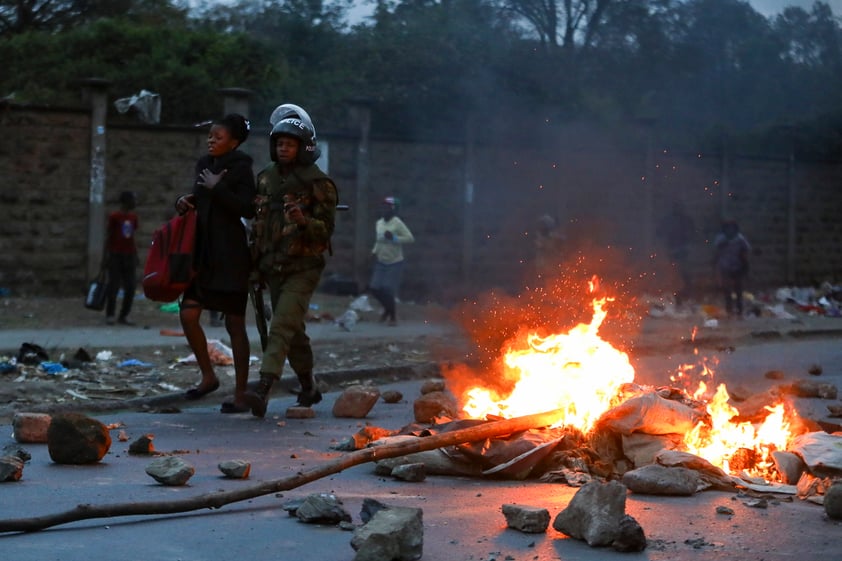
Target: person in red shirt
(121,258)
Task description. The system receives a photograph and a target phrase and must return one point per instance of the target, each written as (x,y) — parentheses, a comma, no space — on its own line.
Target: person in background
(390,236)
(223,193)
(121,259)
(731,263)
(549,244)
(676,230)
(296,215)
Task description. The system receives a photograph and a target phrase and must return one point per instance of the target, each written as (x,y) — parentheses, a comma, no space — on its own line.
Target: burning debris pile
(656,440)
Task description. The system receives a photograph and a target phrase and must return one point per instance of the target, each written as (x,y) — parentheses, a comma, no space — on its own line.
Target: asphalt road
(462,517)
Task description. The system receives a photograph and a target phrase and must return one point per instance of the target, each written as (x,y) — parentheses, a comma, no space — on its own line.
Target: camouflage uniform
(290,259)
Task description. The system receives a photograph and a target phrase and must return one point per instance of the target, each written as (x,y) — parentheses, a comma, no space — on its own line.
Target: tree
(19,16)
(571,19)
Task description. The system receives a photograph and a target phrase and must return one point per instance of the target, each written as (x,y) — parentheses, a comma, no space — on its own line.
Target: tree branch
(220,499)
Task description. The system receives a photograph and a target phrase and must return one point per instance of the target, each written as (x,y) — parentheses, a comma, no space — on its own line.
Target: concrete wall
(607,190)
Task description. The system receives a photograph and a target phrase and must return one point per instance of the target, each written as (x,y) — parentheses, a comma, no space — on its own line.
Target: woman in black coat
(223,195)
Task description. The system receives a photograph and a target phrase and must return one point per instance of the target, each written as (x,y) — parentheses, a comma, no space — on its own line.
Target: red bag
(169,264)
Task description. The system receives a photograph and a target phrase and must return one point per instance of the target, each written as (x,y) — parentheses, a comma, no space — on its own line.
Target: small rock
(142,446)
(17,451)
(393,533)
(527,519)
(835,410)
(430,386)
(356,401)
(170,470)
(31,427)
(392,396)
(815,369)
(757,503)
(298,412)
(659,480)
(322,508)
(434,404)
(594,513)
(11,468)
(410,472)
(833,501)
(790,466)
(725,510)
(235,469)
(73,438)
(630,537)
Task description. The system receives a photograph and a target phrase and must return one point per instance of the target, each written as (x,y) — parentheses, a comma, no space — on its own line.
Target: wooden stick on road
(220,499)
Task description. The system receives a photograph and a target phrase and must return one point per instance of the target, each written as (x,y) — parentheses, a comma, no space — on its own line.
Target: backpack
(169,265)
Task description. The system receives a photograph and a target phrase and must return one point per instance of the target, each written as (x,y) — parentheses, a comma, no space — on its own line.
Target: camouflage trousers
(291,293)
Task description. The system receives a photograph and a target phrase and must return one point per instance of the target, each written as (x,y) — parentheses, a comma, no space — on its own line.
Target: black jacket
(222,255)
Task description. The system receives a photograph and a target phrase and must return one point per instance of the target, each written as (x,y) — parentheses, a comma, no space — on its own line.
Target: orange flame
(580,375)
(577,373)
(718,440)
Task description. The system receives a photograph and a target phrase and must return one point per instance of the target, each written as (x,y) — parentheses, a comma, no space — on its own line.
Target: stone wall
(596,185)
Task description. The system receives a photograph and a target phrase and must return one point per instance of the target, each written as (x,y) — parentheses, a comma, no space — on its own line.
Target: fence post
(361,113)
(95,91)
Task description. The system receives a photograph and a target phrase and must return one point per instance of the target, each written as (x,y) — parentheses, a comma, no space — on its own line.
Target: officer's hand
(294,214)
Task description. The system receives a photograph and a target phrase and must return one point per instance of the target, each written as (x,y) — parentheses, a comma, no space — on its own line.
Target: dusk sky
(766,7)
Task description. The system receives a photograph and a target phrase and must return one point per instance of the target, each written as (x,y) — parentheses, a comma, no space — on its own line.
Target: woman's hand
(208,179)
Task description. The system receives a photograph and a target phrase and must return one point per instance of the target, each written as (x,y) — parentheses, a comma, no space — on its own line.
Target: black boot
(258,400)
(309,394)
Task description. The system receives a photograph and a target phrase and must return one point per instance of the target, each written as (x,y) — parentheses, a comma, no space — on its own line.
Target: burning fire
(719,440)
(580,375)
(577,373)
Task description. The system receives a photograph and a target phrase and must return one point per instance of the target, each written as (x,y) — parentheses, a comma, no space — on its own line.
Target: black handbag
(95,297)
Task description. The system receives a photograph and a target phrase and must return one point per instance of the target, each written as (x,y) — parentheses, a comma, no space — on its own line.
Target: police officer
(296,209)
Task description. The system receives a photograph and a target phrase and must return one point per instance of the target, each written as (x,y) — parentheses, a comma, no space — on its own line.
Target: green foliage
(184,66)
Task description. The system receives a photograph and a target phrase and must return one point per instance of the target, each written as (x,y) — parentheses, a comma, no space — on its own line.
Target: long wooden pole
(220,499)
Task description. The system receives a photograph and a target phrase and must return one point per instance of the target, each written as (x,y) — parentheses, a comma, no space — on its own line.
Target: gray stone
(631,537)
(833,501)
(31,427)
(659,480)
(356,401)
(594,513)
(392,534)
(370,508)
(236,469)
(322,508)
(15,450)
(410,472)
(528,519)
(11,468)
(170,470)
(73,438)
(790,466)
